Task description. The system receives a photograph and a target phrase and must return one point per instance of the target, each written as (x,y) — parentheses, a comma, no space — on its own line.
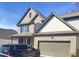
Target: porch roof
(56,33)
(22,35)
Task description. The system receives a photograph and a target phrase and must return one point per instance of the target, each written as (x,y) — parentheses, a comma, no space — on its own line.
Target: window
(25,28)
(36,26)
(30,15)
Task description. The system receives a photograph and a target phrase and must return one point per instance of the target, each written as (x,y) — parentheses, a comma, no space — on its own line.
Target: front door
(22,41)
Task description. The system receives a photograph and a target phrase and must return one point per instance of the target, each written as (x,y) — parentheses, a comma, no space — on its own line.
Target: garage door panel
(54,48)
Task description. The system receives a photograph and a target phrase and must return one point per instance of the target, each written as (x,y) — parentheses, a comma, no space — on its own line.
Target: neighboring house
(54,36)
(5,35)
(72,18)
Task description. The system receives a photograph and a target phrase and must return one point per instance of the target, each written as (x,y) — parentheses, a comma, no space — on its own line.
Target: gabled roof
(38,13)
(49,18)
(30,21)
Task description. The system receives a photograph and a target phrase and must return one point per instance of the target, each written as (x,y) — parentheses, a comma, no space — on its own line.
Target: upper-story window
(36,26)
(25,29)
(30,15)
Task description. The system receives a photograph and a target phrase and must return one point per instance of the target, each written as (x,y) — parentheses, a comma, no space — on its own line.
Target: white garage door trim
(59,42)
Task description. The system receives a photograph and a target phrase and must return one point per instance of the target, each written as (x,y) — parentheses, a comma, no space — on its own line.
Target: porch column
(28,40)
(11,40)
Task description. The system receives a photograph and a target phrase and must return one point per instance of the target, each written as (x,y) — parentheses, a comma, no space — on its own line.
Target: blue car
(19,50)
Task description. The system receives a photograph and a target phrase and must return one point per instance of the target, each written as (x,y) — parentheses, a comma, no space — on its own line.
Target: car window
(16,47)
(4,49)
(21,47)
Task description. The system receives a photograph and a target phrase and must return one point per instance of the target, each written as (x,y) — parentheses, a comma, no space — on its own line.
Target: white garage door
(55,48)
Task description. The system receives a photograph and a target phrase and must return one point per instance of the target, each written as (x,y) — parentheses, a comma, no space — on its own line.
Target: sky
(11,12)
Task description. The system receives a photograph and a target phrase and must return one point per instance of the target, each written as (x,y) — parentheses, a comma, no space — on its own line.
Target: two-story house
(28,24)
(53,36)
